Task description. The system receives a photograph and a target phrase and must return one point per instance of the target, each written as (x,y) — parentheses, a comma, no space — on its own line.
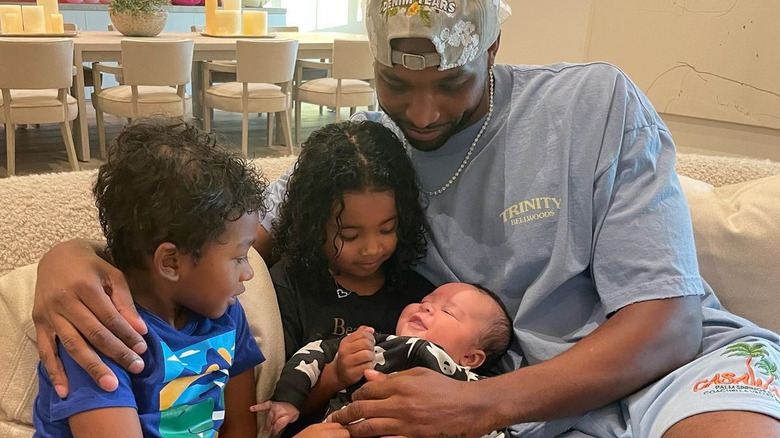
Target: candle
(56,24)
(9,9)
(32,19)
(227,22)
(231,5)
(12,23)
(255,23)
(211,8)
(49,7)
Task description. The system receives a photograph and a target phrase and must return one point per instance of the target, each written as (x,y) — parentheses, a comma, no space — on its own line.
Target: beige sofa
(735,206)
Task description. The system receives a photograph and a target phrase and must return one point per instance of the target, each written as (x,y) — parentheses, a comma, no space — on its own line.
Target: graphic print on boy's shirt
(179,392)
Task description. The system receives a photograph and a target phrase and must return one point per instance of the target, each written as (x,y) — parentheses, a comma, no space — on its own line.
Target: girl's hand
(356,354)
(280,414)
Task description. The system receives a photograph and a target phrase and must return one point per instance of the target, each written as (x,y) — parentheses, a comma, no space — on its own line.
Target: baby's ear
(472,359)
(167,261)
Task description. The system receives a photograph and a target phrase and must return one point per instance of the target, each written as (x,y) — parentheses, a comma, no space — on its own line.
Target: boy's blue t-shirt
(181,389)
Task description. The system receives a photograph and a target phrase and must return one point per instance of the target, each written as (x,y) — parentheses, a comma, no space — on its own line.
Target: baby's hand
(356,354)
(280,414)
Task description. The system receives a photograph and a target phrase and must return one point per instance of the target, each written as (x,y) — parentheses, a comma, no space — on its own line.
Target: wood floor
(41,150)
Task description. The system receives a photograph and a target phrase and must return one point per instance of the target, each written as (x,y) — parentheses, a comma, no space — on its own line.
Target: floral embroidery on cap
(460,35)
(414,9)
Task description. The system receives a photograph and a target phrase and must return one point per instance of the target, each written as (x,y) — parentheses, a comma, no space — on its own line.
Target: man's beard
(438,142)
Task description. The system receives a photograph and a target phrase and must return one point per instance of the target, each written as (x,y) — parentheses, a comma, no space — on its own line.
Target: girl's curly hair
(167,181)
(346,157)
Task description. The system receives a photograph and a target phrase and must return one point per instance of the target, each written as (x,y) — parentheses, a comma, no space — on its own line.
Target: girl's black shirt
(309,314)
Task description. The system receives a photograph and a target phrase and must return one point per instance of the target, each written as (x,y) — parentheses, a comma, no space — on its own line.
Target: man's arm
(81,298)
(264,247)
(275,196)
(638,344)
(119,422)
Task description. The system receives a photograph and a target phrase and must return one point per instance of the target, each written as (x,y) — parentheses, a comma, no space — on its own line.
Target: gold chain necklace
(466,159)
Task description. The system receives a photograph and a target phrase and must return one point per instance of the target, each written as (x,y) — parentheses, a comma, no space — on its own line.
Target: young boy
(456,328)
(179,216)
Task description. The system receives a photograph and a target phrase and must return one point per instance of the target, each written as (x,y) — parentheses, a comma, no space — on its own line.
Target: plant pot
(138,24)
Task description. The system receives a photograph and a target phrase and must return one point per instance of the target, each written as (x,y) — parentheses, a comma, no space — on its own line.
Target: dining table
(96,46)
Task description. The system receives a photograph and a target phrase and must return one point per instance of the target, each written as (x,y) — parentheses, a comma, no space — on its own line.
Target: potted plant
(138,17)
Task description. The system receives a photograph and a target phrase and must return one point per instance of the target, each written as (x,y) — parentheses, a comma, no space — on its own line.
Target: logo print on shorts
(759,377)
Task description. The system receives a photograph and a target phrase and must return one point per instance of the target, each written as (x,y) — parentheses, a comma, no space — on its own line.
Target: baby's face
(453,316)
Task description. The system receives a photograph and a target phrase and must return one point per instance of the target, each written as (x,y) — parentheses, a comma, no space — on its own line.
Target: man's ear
(472,359)
(167,261)
(493,51)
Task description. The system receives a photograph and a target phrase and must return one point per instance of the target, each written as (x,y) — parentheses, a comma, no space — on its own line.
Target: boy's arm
(239,396)
(120,422)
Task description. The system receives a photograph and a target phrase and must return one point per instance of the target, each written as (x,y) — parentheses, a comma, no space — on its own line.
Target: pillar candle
(227,22)
(56,24)
(9,9)
(255,23)
(12,23)
(32,19)
(211,8)
(231,5)
(49,7)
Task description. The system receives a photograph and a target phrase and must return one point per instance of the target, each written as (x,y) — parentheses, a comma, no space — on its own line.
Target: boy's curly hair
(167,181)
(346,157)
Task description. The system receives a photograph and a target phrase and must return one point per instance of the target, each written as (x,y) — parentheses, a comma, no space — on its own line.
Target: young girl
(348,231)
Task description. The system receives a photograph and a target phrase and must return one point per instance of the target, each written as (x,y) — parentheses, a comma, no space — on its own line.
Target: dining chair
(221,76)
(264,72)
(350,84)
(154,74)
(34,83)
(216,76)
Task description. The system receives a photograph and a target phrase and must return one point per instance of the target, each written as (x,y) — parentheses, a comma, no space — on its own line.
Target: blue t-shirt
(179,392)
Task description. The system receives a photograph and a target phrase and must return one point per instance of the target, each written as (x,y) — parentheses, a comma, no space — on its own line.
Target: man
(555,187)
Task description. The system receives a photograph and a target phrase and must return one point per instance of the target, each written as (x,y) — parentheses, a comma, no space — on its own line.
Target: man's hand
(356,354)
(280,414)
(324,430)
(80,298)
(396,405)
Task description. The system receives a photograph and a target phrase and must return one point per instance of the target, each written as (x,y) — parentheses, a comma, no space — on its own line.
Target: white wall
(324,15)
(546,31)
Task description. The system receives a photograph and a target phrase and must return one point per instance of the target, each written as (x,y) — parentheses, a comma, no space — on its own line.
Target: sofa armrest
(18,353)
(265,322)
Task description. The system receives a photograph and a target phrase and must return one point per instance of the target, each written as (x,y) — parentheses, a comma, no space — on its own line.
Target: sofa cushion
(737,232)
(19,351)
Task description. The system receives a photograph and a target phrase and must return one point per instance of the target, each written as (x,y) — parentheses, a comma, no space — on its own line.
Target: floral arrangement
(137,7)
